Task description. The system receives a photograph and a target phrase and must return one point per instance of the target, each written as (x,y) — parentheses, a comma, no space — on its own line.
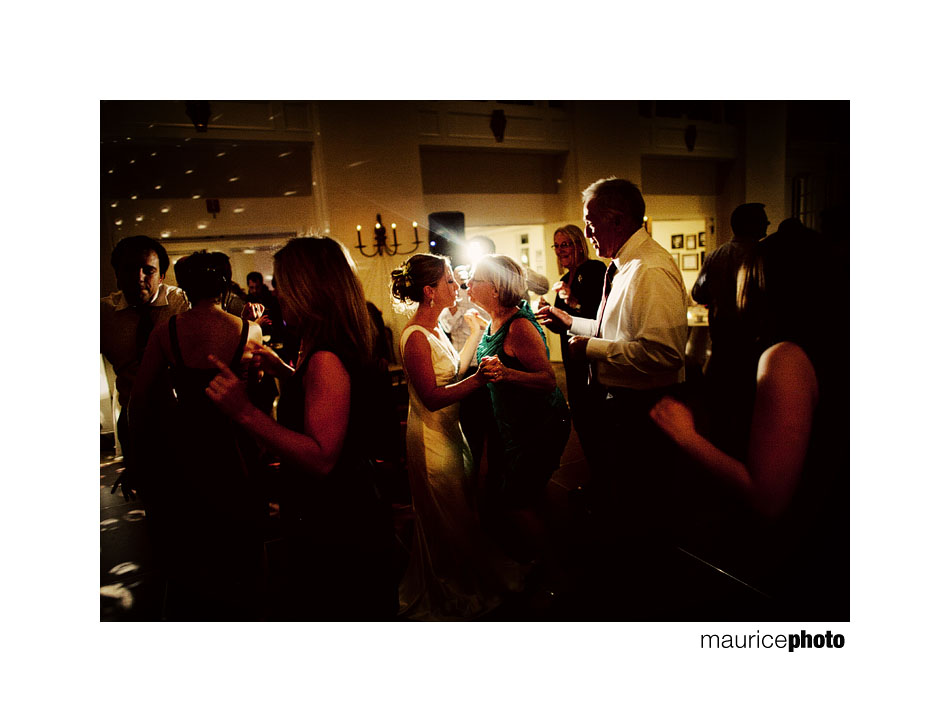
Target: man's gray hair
(619,196)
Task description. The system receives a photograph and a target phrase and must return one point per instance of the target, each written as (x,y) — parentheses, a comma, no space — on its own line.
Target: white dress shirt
(118,322)
(642,343)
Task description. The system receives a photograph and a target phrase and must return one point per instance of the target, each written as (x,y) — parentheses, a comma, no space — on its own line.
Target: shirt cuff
(597,348)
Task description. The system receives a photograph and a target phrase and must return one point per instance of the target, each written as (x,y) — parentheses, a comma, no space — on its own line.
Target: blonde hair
(576,236)
(317,282)
(506,276)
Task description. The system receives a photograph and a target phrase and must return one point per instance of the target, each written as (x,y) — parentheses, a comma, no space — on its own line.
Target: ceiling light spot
(139,219)
(284,155)
(195,197)
(290,193)
(158,188)
(166,209)
(221,154)
(189,171)
(202,226)
(134,198)
(115,205)
(231,180)
(165,234)
(239,210)
(153,154)
(249,250)
(118,221)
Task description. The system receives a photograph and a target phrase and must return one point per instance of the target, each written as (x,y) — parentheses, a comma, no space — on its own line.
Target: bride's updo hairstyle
(409,280)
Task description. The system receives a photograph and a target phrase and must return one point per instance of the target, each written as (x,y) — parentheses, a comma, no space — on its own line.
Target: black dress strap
(239,352)
(173,337)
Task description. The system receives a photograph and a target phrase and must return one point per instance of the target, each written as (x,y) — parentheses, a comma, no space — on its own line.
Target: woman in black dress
(579,292)
(205,509)
(336,523)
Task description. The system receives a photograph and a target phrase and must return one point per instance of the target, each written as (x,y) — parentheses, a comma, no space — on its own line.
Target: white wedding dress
(455,572)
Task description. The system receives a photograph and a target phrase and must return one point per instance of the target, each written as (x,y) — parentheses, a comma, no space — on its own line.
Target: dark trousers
(636,469)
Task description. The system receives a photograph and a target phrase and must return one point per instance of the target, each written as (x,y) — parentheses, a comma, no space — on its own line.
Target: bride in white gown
(455,572)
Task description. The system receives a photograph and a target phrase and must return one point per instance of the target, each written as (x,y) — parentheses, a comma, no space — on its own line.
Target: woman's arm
(785,399)
(326,386)
(417,360)
(525,344)
(266,359)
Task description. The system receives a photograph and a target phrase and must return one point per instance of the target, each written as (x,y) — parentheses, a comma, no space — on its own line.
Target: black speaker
(447,235)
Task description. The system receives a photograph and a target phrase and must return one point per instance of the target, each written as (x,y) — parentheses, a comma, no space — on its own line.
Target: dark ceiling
(204,168)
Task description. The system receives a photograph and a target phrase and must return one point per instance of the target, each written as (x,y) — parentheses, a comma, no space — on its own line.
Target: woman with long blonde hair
(335,521)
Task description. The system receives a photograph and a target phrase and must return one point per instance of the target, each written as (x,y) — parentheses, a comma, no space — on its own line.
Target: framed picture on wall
(677,241)
(676,259)
(702,239)
(690,262)
(691,241)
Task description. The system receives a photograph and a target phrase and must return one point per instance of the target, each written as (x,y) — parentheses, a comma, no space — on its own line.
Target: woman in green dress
(530,410)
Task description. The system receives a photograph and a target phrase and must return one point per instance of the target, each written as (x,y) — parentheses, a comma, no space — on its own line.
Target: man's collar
(159,299)
(630,247)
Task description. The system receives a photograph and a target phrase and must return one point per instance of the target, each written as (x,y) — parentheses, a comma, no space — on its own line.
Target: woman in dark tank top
(336,524)
(203,504)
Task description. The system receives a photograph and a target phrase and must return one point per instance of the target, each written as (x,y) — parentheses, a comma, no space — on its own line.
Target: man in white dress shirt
(636,348)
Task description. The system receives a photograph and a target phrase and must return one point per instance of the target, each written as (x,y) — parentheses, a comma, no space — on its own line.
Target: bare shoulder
(523,331)
(326,362)
(786,366)
(416,338)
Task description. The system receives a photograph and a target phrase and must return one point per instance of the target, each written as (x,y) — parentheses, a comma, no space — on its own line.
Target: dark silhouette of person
(728,380)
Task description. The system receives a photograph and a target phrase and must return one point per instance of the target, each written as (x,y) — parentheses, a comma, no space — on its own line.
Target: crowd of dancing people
(757,445)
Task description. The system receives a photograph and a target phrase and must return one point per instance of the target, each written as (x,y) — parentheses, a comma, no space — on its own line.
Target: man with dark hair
(126,317)
(257,292)
(730,372)
(636,348)
(716,285)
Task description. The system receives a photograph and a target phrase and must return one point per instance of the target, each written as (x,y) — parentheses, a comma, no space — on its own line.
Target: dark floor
(665,582)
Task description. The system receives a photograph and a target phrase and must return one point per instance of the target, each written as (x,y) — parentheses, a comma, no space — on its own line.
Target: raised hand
(252,311)
(226,391)
(264,358)
(554,318)
(476,323)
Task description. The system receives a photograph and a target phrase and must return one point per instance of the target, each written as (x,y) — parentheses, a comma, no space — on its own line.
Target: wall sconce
(379,236)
